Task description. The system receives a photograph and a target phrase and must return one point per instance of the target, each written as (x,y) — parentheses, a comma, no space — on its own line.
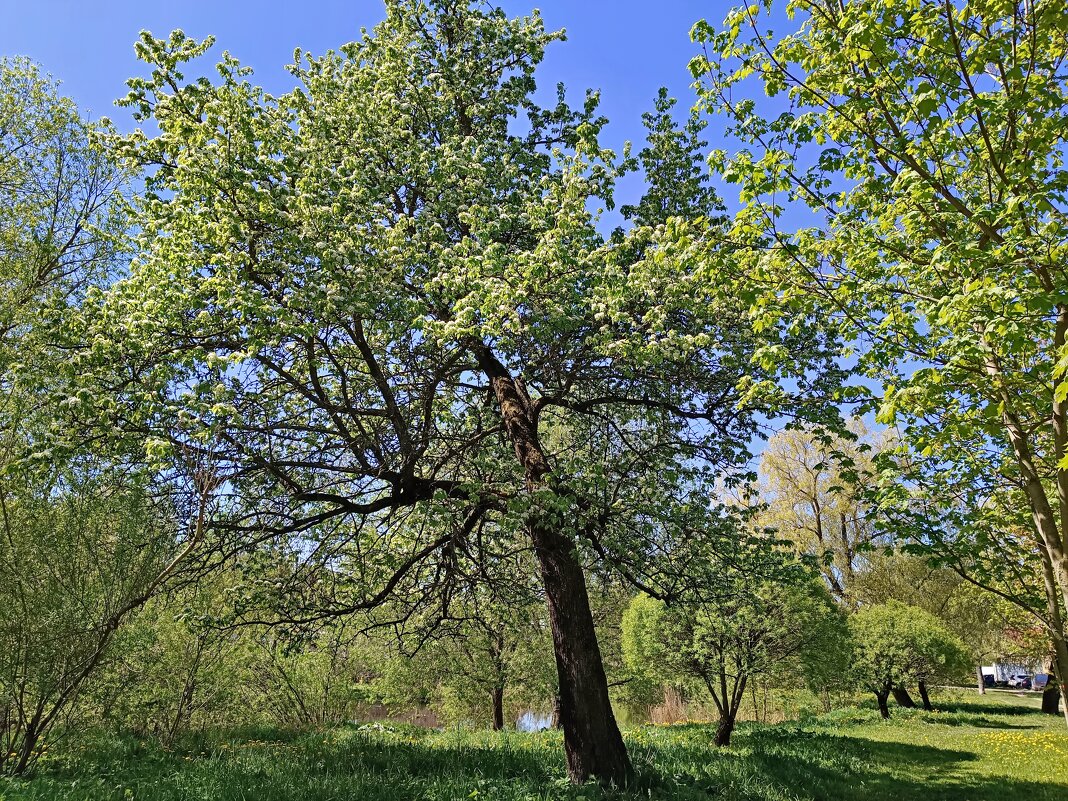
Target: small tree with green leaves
(896,644)
(761,630)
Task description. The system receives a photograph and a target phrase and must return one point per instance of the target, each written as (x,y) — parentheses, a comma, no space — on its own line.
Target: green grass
(968,752)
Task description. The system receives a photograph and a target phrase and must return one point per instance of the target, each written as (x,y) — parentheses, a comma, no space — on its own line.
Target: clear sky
(625,48)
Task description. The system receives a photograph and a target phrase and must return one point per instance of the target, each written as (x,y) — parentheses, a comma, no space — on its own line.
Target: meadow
(999,749)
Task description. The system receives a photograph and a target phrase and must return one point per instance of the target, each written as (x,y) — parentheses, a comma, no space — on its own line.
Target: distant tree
(981,619)
(816,487)
(60,227)
(170,670)
(83,540)
(492,658)
(896,644)
(758,630)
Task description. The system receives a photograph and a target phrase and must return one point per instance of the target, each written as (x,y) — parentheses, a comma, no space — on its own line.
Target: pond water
(534,721)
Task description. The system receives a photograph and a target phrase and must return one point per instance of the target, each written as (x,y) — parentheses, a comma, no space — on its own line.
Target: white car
(1021,681)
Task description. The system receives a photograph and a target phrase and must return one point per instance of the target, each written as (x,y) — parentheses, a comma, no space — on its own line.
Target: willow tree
(817,487)
(921,163)
(382,303)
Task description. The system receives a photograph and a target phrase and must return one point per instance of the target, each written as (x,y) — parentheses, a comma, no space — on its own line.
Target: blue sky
(625,48)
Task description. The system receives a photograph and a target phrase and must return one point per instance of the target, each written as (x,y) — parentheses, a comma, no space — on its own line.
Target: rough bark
(593,744)
(982,681)
(924,697)
(902,697)
(592,741)
(498,708)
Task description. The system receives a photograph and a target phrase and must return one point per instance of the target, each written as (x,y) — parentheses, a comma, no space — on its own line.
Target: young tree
(925,142)
(383,299)
(896,644)
(76,557)
(82,541)
(724,644)
(493,657)
(816,489)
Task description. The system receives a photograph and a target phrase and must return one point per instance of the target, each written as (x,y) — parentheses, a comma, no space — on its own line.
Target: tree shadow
(679,764)
(820,765)
(989,708)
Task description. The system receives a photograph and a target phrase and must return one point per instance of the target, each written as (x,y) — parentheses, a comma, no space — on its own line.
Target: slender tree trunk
(902,697)
(1050,526)
(498,708)
(982,680)
(593,744)
(925,697)
(882,696)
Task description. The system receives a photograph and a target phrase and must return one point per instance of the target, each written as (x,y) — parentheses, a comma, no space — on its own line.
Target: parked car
(1020,682)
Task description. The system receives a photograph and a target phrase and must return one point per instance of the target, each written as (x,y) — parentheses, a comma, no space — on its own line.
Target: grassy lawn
(998,750)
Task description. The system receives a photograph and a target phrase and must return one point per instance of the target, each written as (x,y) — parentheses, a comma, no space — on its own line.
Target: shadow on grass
(765,764)
(822,765)
(343,763)
(992,708)
(954,713)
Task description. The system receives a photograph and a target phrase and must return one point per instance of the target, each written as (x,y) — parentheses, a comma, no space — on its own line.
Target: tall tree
(923,151)
(382,299)
(816,487)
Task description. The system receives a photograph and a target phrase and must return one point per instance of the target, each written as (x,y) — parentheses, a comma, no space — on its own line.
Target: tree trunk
(1060,671)
(982,680)
(593,744)
(554,719)
(902,697)
(725,729)
(925,697)
(592,741)
(1051,697)
(882,696)
(498,708)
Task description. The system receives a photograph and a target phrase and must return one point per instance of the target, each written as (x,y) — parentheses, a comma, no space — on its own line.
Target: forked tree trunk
(882,696)
(925,697)
(902,697)
(593,744)
(498,708)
